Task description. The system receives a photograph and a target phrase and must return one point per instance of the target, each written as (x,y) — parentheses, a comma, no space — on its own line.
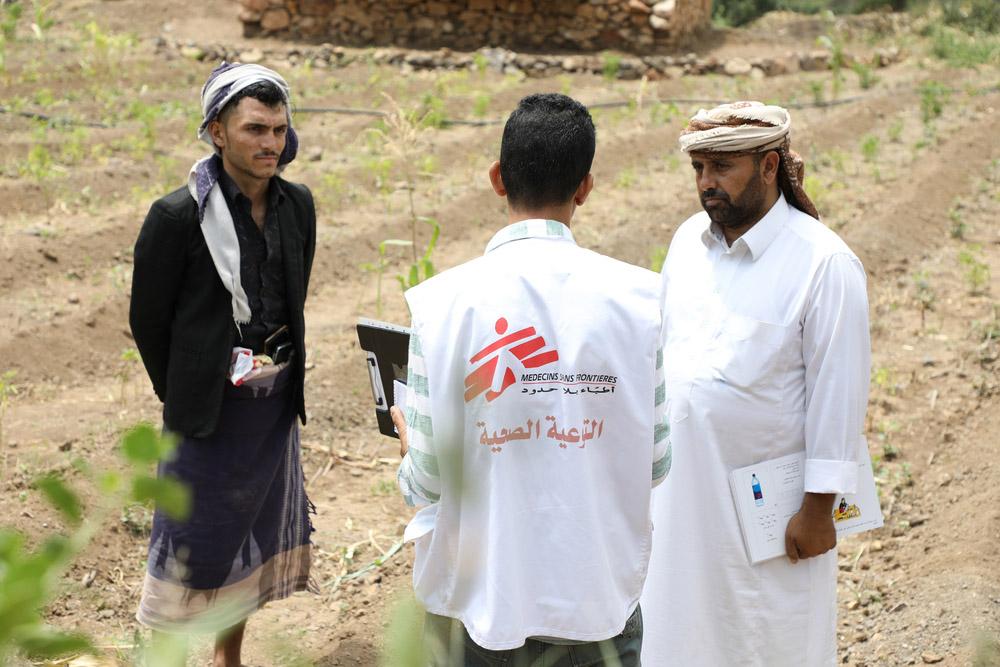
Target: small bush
(866,77)
(961,49)
(612,62)
(972,15)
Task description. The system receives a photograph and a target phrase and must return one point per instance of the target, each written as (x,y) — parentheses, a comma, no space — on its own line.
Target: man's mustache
(716,194)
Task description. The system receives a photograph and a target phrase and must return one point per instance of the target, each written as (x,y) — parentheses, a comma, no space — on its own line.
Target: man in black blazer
(221,270)
(180,311)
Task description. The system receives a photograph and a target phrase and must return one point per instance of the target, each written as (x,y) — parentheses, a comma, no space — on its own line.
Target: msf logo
(521,345)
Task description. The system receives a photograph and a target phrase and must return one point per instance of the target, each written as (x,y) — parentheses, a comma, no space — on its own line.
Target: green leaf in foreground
(64,500)
(43,642)
(144,445)
(169,495)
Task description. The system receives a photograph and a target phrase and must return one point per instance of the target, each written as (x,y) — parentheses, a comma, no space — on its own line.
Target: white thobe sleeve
(836,351)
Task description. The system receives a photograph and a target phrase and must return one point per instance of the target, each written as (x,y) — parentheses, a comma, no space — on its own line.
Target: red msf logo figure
(481,379)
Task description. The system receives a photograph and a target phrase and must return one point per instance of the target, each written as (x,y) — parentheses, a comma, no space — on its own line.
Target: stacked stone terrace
(639,26)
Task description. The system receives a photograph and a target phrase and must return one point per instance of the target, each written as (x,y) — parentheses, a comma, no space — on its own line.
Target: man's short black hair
(547,150)
(263,91)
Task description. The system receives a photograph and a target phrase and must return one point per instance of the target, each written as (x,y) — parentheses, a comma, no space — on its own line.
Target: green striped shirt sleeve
(661,424)
(419,477)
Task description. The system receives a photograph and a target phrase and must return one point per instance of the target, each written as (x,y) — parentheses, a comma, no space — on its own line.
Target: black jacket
(181,314)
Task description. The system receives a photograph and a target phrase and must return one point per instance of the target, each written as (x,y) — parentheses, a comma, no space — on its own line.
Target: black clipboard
(387,348)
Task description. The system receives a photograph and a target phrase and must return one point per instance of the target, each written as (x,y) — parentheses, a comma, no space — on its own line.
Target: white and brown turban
(745,128)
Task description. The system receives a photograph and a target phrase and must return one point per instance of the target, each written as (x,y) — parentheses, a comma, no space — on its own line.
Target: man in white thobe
(767,353)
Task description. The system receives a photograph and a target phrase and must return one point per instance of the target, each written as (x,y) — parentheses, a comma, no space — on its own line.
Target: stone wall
(639,26)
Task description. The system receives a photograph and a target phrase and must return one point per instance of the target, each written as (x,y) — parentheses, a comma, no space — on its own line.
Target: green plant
(29,578)
(44,97)
(565,84)
(137,519)
(422,267)
(403,137)
(977,272)
(7,389)
(818,94)
(656,257)
(74,147)
(432,114)
(479,62)
(148,116)
(610,65)
(380,169)
(885,430)
(10,14)
(906,473)
(332,188)
(39,163)
(835,158)
(661,114)
(869,148)
(481,104)
(379,266)
(42,21)
(884,380)
(383,487)
(869,151)
(817,190)
(427,165)
(973,16)
(103,50)
(933,97)
(129,360)
(895,130)
(988,332)
(925,294)
(866,76)
(958,226)
(626,178)
(833,42)
(960,49)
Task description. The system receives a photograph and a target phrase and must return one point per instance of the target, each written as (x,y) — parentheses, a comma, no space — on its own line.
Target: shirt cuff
(825,476)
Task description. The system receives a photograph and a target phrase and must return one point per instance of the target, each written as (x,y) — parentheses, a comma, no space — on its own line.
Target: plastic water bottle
(758,495)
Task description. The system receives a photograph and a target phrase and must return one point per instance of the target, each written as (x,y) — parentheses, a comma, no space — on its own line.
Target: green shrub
(30,577)
(972,15)
(611,64)
(961,49)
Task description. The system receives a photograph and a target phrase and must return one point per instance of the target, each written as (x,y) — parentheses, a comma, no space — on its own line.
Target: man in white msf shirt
(535,413)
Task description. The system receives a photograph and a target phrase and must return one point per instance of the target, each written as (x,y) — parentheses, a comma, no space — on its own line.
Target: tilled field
(908,174)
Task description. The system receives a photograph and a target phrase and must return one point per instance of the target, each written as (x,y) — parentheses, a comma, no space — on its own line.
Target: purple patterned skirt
(246,541)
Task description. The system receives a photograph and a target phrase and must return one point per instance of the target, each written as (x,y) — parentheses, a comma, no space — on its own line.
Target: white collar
(533,228)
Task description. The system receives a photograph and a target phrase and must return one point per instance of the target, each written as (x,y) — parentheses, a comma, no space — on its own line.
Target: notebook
(768,494)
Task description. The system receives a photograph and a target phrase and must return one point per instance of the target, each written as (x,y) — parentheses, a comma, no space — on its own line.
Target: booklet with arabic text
(768,494)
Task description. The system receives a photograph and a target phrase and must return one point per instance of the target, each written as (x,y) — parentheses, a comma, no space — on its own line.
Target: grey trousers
(449,645)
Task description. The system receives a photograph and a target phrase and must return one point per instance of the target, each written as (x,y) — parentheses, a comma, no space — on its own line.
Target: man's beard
(746,209)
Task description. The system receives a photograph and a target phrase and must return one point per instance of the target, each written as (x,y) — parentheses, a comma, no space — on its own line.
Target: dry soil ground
(917,199)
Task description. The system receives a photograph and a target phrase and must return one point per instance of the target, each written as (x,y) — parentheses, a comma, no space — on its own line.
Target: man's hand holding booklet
(768,494)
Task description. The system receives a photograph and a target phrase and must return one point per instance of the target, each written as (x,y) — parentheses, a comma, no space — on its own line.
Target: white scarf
(737,138)
(203,180)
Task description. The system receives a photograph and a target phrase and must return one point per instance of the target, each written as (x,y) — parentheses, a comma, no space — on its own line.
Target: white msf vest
(540,360)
